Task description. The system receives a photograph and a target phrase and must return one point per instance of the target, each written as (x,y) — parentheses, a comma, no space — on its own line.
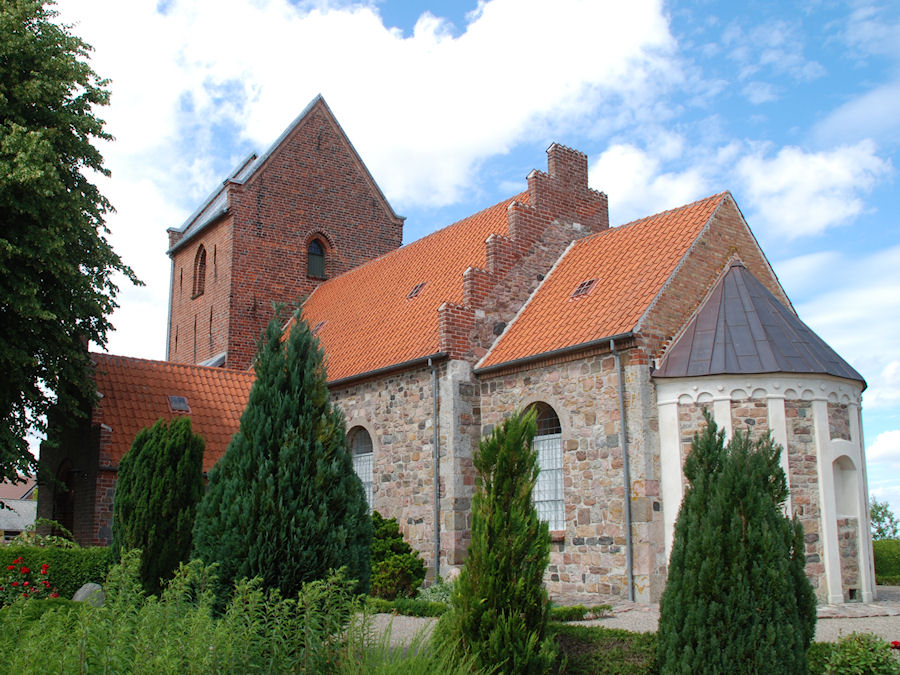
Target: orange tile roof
(135,395)
(367,321)
(631,263)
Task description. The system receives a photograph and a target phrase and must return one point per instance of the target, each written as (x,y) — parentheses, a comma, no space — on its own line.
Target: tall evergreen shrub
(159,486)
(499,606)
(284,502)
(737,599)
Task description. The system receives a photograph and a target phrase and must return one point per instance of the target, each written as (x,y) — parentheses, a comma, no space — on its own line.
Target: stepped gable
(629,266)
(742,329)
(135,394)
(370,318)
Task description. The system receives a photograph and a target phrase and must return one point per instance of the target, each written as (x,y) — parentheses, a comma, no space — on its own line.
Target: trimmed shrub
(284,503)
(887,557)
(70,568)
(159,485)
(862,653)
(406,606)
(397,570)
(499,606)
(737,599)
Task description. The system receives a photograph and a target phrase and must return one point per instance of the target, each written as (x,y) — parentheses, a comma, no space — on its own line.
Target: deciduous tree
(884,522)
(56,266)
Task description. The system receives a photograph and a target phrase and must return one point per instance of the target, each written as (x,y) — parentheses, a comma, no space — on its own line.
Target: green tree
(397,569)
(499,605)
(737,599)
(284,502)
(56,267)
(884,522)
(159,486)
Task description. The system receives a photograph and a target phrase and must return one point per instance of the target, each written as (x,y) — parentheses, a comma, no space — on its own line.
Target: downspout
(436,463)
(626,471)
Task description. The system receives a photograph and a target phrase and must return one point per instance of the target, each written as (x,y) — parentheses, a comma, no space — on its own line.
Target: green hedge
(887,557)
(70,568)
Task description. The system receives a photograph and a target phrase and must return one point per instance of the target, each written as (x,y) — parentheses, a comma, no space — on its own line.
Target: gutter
(436,463)
(626,471)
(418,361)
(554,353)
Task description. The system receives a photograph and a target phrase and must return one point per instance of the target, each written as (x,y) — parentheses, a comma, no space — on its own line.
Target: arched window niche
(199,272)
(548,492)
(362,451)
(315,259)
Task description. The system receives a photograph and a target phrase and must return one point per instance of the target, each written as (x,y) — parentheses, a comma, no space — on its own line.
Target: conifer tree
(284,503)
(159,486)
(500,606)
(737,599)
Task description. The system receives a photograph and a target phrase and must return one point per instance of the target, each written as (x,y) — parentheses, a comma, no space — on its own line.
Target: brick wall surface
(312,186)
(726,235)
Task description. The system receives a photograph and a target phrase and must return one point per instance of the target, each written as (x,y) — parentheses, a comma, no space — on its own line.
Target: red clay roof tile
(370,323)
(631,264)
(135,395)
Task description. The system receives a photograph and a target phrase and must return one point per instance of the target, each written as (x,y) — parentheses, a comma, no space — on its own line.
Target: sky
(796,111)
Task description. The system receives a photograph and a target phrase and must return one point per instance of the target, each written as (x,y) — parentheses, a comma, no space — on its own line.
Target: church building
(620,337)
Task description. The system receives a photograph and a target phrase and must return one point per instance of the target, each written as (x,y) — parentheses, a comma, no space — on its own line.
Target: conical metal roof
(744,329)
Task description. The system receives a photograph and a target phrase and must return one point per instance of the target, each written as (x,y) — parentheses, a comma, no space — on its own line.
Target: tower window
(315,259)
(199,272)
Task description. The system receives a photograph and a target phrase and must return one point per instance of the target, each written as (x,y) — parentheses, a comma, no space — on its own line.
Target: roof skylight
(179,404)
(583,288)
(416,290)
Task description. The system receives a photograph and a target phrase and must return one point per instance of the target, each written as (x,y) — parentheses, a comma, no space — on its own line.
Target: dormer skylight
(179,404)
(416,290)
(583,288)
(318,327)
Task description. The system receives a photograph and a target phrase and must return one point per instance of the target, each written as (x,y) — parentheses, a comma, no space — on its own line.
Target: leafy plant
(578,612)
(22,582)
(862,653)
(284,503)
(737,598)
(71,567)
(586,650)
(440,591)
(397,569)
(406,606)
(884,523)
(499,606)
(887,557)
(159,485)
(35,534)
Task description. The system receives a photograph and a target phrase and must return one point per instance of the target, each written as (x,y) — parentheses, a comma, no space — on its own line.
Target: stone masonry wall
(838,421)
(848,536)
(589,556)
(750,416)
(804,486)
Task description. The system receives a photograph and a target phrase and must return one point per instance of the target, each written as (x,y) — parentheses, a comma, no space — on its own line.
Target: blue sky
(451,104)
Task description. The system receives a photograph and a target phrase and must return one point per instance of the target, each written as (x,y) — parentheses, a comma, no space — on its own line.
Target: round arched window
(361,449)
(548,492)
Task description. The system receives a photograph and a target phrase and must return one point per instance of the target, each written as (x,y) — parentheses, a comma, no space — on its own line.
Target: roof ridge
(176,364)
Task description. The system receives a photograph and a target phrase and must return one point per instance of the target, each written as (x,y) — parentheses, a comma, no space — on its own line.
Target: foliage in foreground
(884,522)
(284,503)
(586,650)
(70,568)
(159,485)
(499,606)
(862,653)
(737,598)
(56,266)
(887,557)
(397,569)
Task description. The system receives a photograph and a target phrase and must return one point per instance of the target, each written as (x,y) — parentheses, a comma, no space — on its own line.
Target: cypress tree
(499,605)
(159,486)
(284,503)
(737,599)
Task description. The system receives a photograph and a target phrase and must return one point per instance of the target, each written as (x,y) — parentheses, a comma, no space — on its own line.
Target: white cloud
(759,92)
(797,193)
(870,115)
(885,448)
(775,47)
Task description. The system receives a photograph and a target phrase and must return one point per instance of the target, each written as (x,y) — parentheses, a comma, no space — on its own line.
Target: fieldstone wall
(804,486)
(750,416)
(588,557)
(848,536)
(838,421)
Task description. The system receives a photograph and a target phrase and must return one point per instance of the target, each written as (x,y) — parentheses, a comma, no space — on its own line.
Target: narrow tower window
(315,259)
(199,272)
(548,492)
(361,448)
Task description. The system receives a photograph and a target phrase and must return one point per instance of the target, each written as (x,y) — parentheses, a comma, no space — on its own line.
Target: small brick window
(199,272)
(361,448)
(548,492)
(315,259)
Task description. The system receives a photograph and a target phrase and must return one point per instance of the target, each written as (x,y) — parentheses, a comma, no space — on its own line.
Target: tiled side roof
(10,490)
(135,395)
(741,329)
(367,322)
(630,265)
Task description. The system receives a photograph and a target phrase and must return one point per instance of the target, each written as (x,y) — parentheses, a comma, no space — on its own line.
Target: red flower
(25,570)
(15,583)
(10,567)
(54,595)
(46,583)
(17,560)
(26,584)
(24,595)
(895,644)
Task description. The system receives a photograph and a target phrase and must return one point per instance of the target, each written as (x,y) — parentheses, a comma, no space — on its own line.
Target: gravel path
(881,618)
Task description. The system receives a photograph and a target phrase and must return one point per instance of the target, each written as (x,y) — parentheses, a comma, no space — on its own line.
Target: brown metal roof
(744,329)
